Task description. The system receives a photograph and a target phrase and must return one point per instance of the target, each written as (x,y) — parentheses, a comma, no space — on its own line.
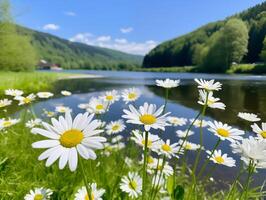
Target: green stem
(144,173)
(156,172)
(251,168)
(85,179)
(160,176)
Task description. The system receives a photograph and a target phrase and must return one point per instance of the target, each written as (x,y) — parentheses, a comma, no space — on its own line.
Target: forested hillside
(77,55)
(198,46)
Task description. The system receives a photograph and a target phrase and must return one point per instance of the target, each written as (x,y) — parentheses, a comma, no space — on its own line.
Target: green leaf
(179,192)
(170,184)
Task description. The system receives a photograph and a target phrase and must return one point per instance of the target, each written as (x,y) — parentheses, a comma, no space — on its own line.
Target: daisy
(131,184)
(25,100)
(189,145)
(4,123)
(66,93)
(96,194)
(33,123)
(39,194)
(118,146)
(199,123)
(248,117)
(260,131)
(117,138)
(97,106)
(221,159)
(167,83)
(14,93)
(167,170)
(130,95)
(184,133)
(67,138)
(115,127)
(251,149)
(208,85)
(212,102)
(225,132)
(62,109)
(45,95)
(110,96)
(139,139)
(176,121)
(48,113)
(128,161)
(5,102)
(147,115)
(169,150)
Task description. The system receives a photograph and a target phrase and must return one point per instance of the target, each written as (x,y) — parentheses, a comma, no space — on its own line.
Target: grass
(248,69)
(168,69)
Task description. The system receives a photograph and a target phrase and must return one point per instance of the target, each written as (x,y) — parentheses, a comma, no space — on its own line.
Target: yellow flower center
(71,138)
(26,100)
(150,160)
(166,147)
(263,134)
(210,102)
(99,107)
(7,123)
(132,95)
(223,132)
(38,197)
(133,185)
(109,97)
(160,167)
(188,146)
(219,159)
(87,197)
(147,119)
(149,143)
(2,104)
(115,127)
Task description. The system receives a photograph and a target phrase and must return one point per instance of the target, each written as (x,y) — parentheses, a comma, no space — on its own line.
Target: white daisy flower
(225,132)
(221,159)
(66,93)
(167,83)
(48,113)
(39,194)
(261,132)
(131,184)
(5,102)
(159,182)
(96,194)
(62,109)
(128,161)
(147,115)
(130,95)
(184,133)
(13,92)
(169,150)
(198,123)
(251,149)
(25,100)
(45,95)
(248,117)
(33,123)
(5,123)
(177,121)
(117,138)
(115,127)
(208,85)
(139,139)
(110,96)
(68,138)
(167,170)
(97,106)
(189,145)
(118,146)
(212,102)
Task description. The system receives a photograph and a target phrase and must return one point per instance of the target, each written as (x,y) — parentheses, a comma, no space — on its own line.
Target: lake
(240,93)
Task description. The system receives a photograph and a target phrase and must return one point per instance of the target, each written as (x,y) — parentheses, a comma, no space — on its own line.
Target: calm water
(240,94)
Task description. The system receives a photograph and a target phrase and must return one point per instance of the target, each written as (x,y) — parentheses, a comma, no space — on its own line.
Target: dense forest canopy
(184,50)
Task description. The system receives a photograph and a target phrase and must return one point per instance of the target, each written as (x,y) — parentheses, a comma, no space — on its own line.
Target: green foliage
(16,52)
(263,52)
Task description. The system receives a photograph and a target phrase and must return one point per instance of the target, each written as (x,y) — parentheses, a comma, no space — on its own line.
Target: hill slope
(77,55)
(180,51)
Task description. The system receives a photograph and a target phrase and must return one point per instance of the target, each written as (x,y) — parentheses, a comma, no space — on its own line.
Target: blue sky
(133,26)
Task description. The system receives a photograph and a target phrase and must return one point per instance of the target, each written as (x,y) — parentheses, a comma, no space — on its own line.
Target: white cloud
(120,44)
(126,29)
(52,27)
(70,13)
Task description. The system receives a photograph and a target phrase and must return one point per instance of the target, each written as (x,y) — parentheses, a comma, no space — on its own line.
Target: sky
(132,26)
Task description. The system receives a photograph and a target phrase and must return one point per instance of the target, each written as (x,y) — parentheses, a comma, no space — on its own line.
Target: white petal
(73,159)
(45,144)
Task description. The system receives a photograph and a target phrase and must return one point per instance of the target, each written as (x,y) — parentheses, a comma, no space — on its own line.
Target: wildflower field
(59,154)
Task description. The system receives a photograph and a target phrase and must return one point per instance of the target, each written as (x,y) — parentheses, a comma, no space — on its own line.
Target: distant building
(43,64)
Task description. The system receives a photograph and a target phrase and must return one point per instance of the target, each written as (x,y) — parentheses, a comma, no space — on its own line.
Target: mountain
(181,51)
(74,55)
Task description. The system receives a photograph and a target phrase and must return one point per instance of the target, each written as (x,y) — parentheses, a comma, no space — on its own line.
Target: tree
(263,51)
(16,51)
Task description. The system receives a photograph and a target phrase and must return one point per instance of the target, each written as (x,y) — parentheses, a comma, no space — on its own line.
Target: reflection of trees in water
(239,96)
